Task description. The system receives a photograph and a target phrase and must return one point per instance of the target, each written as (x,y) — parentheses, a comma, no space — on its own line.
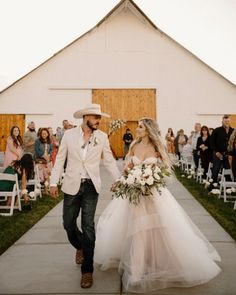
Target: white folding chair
(188,164)
(14,194)
(224,184)
(209,172)
(199,172)
(36,183)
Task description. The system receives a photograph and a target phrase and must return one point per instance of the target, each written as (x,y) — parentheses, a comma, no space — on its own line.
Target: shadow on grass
(221,211)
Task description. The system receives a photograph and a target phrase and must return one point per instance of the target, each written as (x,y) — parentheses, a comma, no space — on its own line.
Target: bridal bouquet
(140,181)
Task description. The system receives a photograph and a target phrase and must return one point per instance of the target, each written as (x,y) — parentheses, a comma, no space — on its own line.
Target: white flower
(233,189)
(182,175)
(211,180)
(156,176)
(37,191)
(115,124)
(192,172)
(215,191)
(228,191)
(207,184)
(148,171)
(24,192)
(150,180)
(204,181)
(215,184)
(31,195)
(130,179)
(142,182)
(137,172)
(189,177)
(157,169)
(95,141)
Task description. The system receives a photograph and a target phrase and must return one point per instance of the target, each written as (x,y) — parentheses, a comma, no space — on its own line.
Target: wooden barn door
(233,121)
(6,123)
(127,104)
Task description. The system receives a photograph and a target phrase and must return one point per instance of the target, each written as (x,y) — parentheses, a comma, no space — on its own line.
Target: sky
(31,31)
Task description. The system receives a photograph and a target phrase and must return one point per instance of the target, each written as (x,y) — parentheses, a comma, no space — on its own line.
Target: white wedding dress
(154,245)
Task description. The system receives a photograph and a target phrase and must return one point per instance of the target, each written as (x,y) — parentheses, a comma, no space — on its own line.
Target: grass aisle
(221,211)
(13,227)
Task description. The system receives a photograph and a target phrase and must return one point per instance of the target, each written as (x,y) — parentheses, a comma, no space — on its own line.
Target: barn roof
(123,4)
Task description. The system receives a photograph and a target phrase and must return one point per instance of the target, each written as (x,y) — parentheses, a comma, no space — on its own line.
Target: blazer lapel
(80,142)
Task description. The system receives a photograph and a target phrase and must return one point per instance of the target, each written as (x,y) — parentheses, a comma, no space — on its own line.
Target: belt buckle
(83,180)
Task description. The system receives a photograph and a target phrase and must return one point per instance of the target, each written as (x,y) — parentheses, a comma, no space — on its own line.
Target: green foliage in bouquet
(140,181)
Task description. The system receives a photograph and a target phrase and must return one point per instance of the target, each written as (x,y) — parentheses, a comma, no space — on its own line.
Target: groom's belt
(83,180)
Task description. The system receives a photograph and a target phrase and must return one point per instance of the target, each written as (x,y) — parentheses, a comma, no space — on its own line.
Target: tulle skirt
(154,245)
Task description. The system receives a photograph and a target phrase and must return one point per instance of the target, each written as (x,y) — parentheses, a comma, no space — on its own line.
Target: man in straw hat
(83,147)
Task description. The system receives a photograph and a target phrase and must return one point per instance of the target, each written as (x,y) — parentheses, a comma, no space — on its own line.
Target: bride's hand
(128,166)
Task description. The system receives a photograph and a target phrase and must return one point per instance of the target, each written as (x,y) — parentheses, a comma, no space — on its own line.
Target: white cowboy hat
(92,109)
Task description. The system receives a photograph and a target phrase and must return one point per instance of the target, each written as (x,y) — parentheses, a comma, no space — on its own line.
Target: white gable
(124,51)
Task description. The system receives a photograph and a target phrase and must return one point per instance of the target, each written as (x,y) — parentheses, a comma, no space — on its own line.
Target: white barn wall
(125,51)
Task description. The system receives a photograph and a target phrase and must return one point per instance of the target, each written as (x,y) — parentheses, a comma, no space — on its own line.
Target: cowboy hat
(91,109)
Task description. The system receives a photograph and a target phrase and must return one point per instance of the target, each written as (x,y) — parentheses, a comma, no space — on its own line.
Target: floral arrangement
(32,194)
(115,125)
(139,181)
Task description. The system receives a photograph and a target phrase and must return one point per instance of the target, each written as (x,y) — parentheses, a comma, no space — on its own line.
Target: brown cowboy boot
(86,280)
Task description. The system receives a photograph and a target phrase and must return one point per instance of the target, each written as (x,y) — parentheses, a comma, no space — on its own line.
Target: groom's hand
(54,192)
(113,187)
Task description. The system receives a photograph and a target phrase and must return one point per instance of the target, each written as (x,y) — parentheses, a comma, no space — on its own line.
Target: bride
(154,245)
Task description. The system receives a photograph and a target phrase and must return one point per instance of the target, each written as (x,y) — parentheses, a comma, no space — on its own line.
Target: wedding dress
(154,245)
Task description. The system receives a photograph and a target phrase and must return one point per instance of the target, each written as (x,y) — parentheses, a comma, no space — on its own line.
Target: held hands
(54,192)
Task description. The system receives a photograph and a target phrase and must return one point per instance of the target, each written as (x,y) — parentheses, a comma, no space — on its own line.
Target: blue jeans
(86,200)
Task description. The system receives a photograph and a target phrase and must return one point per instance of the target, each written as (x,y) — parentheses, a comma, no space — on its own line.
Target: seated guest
(25,171)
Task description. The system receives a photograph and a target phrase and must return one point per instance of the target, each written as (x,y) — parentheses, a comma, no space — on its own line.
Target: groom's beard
(93,127)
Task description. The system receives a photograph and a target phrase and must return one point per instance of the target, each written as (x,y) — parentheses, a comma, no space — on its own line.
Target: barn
(129,66)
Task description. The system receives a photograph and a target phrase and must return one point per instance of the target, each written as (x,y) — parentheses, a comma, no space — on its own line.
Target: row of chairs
(187,165)
(15,194)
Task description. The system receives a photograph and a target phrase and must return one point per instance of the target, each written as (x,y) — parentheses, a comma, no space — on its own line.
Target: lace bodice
(149,160)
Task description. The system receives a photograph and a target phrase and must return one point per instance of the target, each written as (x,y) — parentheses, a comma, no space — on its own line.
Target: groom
(84,147)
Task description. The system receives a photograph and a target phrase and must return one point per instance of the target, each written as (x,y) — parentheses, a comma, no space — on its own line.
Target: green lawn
(221,211)
(13,227)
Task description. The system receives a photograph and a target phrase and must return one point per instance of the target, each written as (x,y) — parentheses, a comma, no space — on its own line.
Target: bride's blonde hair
(153,131)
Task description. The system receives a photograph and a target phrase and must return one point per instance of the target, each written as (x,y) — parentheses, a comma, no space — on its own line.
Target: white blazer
(70,148)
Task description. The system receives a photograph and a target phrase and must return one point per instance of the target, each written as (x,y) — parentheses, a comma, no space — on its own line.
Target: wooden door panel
(127,104)
(7,121)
